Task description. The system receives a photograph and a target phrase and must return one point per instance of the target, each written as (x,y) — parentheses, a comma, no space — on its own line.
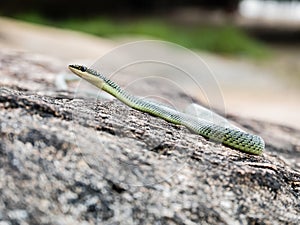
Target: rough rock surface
(81,161)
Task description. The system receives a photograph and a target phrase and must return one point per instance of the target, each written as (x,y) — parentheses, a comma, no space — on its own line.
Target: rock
(81,161)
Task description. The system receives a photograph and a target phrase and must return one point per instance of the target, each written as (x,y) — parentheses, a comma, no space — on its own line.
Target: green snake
(229,136)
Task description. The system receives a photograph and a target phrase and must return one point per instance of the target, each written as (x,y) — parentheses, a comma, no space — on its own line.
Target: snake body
(229,136)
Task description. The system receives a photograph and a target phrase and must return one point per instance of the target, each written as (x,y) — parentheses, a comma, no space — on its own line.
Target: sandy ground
(247,89)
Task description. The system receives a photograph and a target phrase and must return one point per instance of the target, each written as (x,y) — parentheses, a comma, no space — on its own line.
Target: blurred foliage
(224,39)
(79,8)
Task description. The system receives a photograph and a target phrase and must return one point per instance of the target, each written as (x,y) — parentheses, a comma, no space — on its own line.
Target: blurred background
(252,46)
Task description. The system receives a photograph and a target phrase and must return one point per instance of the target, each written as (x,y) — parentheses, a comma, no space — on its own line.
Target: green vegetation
(221,39)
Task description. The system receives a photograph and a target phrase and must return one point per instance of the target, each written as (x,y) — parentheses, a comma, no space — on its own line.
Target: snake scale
(229,136)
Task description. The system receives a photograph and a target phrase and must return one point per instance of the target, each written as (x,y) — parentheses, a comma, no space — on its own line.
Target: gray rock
(81,161)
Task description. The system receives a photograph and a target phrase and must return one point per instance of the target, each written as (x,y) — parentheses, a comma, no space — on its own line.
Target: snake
(229,136)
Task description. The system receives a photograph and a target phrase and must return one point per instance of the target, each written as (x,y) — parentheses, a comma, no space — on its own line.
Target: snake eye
(82,68)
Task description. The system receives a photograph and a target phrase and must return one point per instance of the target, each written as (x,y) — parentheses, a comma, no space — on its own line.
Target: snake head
(76,68)
(87,74)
